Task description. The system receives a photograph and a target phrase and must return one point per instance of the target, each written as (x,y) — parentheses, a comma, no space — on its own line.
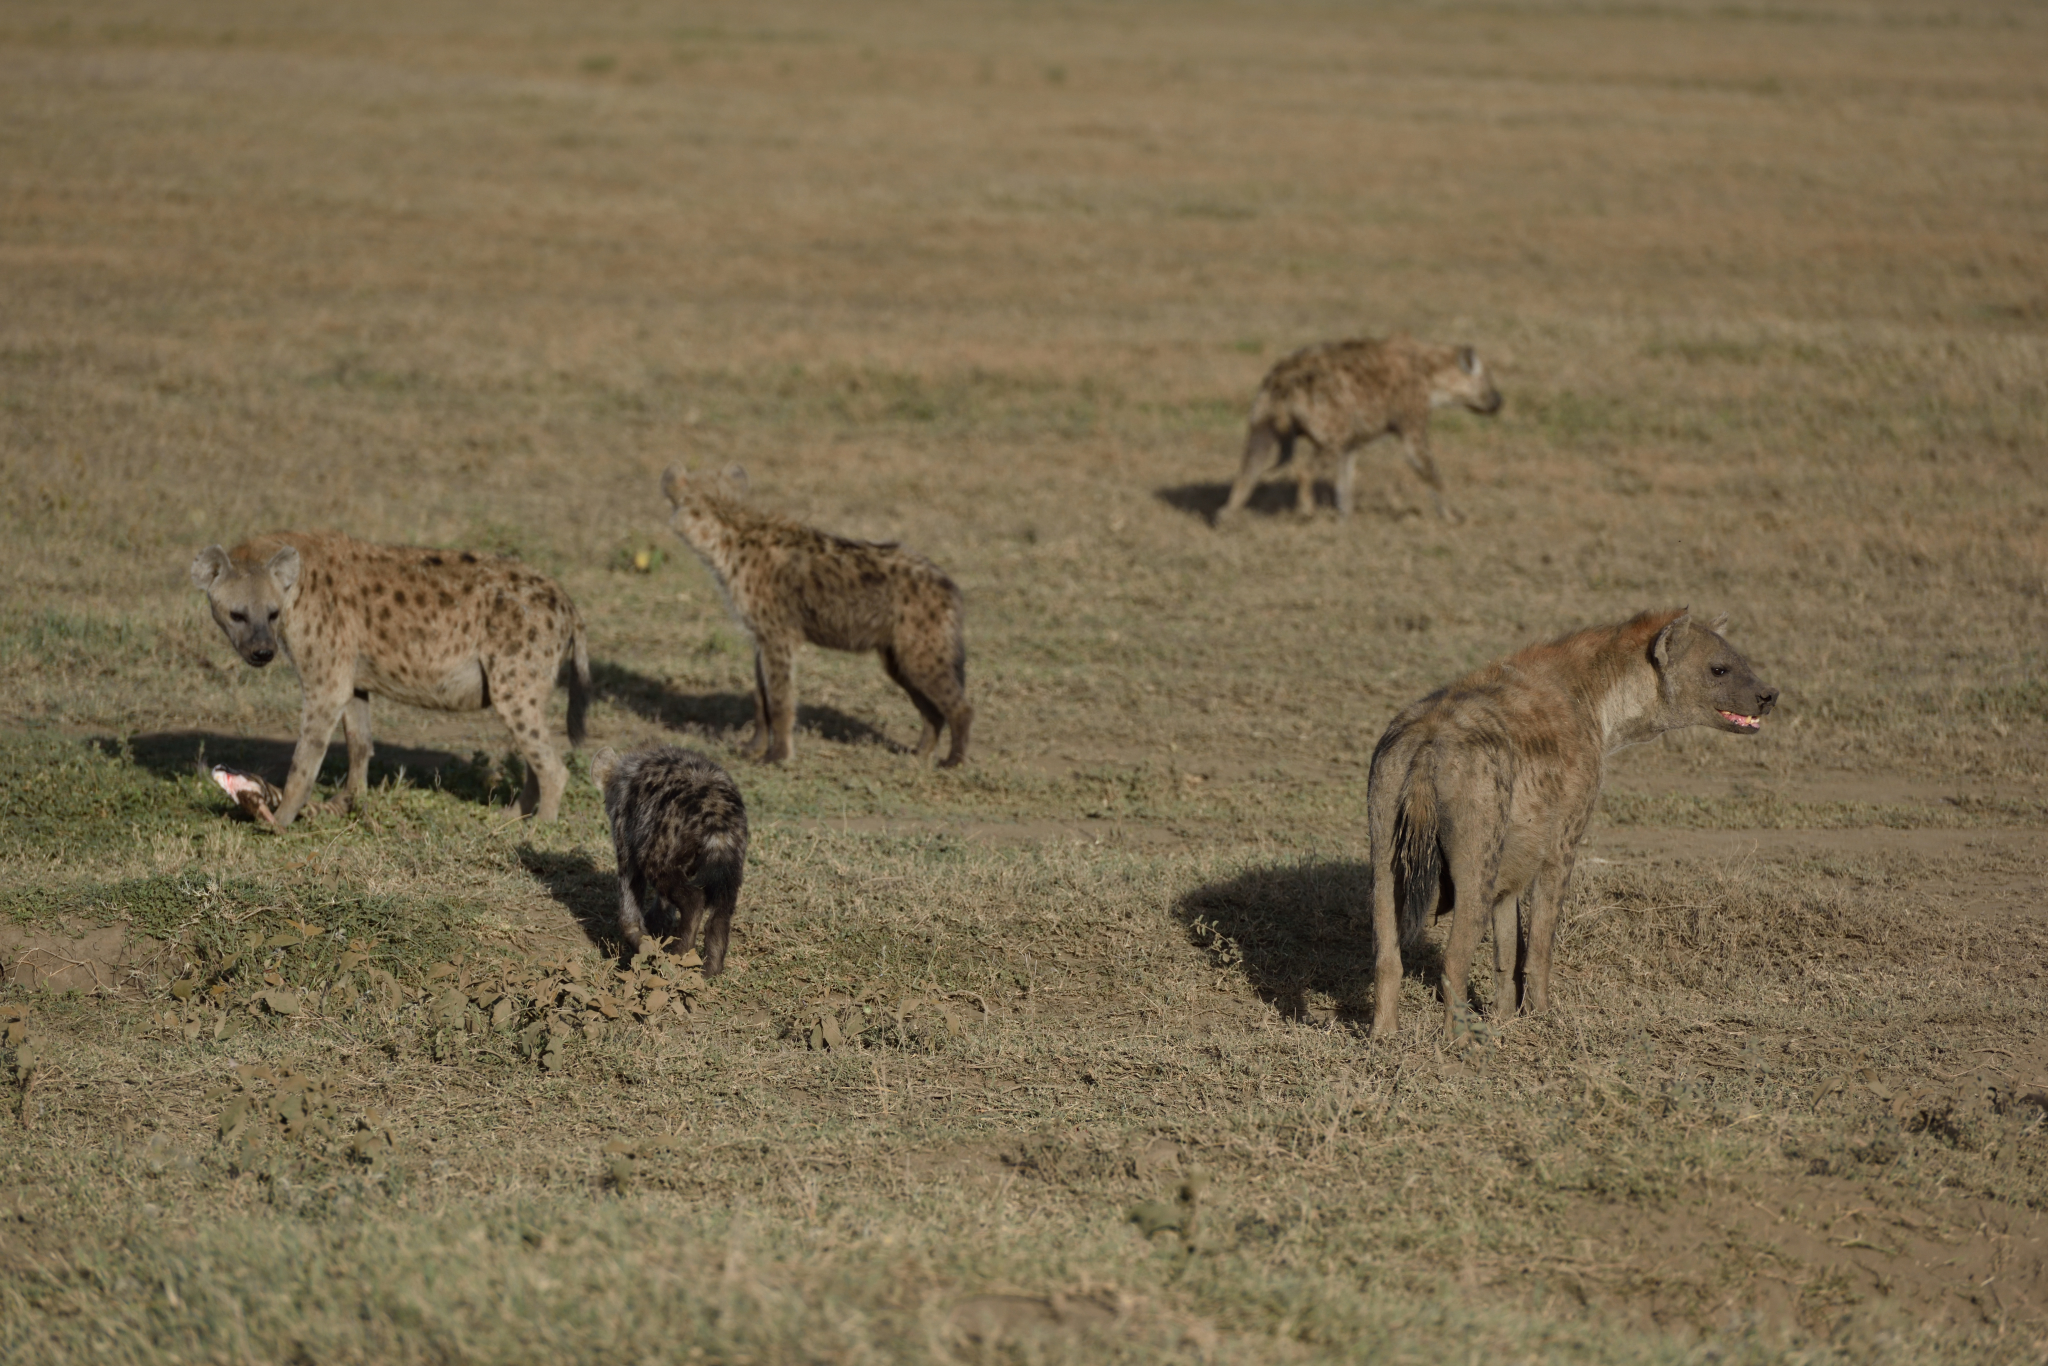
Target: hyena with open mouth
(1480,793)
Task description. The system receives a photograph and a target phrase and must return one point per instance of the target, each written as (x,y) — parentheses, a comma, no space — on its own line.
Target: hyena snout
(253,636)
(1469,383)
(1742,700)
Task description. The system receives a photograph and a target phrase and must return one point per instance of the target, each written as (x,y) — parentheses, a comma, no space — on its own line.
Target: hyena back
(788,583)
(1337,396)
(1479,793)
(444,629)
(679,827)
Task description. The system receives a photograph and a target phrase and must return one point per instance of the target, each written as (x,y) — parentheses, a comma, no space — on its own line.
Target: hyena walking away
(1340,395)
(788,583)
(1480,792)
(680,830)
(444,629)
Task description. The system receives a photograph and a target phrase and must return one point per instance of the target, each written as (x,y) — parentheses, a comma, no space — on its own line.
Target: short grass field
(1059,1056)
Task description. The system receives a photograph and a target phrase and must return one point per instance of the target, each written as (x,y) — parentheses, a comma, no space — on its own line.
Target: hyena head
(1463,379)
(1703,681)
(248,599)
(698,499)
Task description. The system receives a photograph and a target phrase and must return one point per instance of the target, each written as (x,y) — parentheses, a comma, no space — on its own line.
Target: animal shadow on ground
(173,754)
(1272,498)
(723,713)
(1298,929)
(589,893)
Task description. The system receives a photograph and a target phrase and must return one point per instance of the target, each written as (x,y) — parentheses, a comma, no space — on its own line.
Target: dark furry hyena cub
(680,829)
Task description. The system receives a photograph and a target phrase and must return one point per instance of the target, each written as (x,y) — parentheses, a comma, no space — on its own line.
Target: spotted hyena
(1339,395)
(1480,792)
(788,583)
(445,629)
(680,830)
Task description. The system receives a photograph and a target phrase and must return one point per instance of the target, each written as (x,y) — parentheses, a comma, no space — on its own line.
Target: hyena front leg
(1469,918)
(1507,955)
(317,718)
(1347,473)
(757,742)
(1415,448)
(775,677)
(355,725)
(1264,448)
(1546,900)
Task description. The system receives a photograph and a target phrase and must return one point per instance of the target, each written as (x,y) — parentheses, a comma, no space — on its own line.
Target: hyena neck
(1629,693)
(714,539)
(1628,707)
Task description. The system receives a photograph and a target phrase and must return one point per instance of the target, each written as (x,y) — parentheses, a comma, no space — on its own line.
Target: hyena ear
(1468,360)
(736,475)
(603,765)
(284,568)
(1660,648)
(208,566)
(672,480)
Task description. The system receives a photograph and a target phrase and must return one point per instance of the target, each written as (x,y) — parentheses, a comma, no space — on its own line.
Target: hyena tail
(1418,856)
(959,641)
(579,685)
(719,871)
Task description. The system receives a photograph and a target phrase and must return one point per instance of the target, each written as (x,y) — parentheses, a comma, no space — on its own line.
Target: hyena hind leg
(718,933)
(933,714)
(688,901)
(632,921)
(546,776)
(1264,448)
(936,682)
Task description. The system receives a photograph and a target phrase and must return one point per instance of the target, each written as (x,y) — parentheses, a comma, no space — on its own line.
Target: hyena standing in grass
(788,583)
(444,629)
(1480,792)
(680,831)
(1340,395)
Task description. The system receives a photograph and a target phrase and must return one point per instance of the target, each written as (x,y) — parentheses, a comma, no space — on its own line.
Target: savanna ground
(1766,288)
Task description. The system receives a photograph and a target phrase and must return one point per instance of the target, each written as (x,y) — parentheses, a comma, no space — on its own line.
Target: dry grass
(1763,287)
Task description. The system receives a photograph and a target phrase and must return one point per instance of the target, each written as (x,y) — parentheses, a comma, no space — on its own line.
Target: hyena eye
(242,617)
(1719,670)
(273,617)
